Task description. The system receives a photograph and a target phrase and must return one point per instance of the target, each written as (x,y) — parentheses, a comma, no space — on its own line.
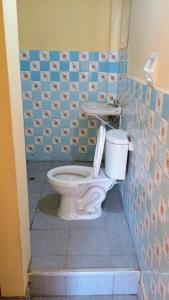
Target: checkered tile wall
(54,85)
(145,191)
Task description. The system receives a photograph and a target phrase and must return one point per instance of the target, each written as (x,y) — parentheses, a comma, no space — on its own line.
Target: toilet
(82,188)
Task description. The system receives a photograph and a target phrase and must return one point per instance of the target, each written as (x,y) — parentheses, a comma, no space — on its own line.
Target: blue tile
(26,85)
(94,56)
(83,66)
(56,131)
(165,111)
(65,123)
(25,65)
(34,55)
(112,88)
(55,114)
(64,86)
(44,66)
(103,67)
(54,76)
(64,66)
(27,104)
(35,75)
(83,86)
(74,114)
(74,132)
(38,131)
(47,140)
(55,96)
(92,96)
(45,85)
(113,67)
(74,55)
(82,140)
(74,76)
(28,123)
(56,148)
(65,105)
(93,76)
(65,140)
(74,96)
(54,55)
(36,95)
(153,99)
(46,105)
(47,123)
(37,114)
(29,139)
(102,86)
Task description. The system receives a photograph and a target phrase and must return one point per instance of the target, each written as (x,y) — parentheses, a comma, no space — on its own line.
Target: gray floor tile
(36,174)
(38,165)
(35,186)
(33,199)
(32,212)
(84,224)
(88,242)
(46,220)
(49,242)
(50,203)
(48,263)
(124,261)
(120,237)
(89,285)
(47,189)
(113,203)
(90,261)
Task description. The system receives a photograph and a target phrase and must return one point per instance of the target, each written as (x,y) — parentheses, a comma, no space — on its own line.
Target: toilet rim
(82,170)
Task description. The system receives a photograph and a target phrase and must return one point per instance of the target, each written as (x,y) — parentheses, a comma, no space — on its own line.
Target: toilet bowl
(82,188)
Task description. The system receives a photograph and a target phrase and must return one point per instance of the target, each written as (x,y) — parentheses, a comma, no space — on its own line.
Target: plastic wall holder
(150,69)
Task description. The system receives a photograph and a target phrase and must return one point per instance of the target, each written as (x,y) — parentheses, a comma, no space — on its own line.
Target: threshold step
(105,297)
(84,283)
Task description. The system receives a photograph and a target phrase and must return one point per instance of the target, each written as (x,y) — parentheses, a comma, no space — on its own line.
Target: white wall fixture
(150,69)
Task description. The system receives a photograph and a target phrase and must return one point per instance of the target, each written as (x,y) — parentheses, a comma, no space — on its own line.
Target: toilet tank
(116,151)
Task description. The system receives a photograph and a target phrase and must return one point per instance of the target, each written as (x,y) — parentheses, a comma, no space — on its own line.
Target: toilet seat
(76,174)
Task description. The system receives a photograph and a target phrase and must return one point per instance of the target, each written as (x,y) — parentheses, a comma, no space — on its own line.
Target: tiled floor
(60,244)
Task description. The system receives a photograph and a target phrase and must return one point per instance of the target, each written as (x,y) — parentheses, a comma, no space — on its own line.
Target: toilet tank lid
(117,136)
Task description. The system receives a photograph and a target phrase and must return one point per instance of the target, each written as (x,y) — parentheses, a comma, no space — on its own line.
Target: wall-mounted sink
(101,109)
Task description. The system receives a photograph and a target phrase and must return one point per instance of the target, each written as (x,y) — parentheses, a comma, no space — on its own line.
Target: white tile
(126,283)
(47,285)
(89,285)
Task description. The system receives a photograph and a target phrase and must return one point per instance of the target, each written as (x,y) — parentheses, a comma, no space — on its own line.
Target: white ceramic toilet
(82,188)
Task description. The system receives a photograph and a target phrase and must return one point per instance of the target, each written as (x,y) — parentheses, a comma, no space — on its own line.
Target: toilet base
(70,209)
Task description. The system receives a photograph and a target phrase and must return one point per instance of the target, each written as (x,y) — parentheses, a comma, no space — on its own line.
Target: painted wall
(64,25)
(73,25)
(149,20)
(55,85)
(14,223)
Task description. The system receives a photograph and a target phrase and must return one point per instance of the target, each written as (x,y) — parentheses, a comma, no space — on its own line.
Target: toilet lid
(99,150)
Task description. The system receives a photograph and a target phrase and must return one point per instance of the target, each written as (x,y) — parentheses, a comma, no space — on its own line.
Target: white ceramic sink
(101,109)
